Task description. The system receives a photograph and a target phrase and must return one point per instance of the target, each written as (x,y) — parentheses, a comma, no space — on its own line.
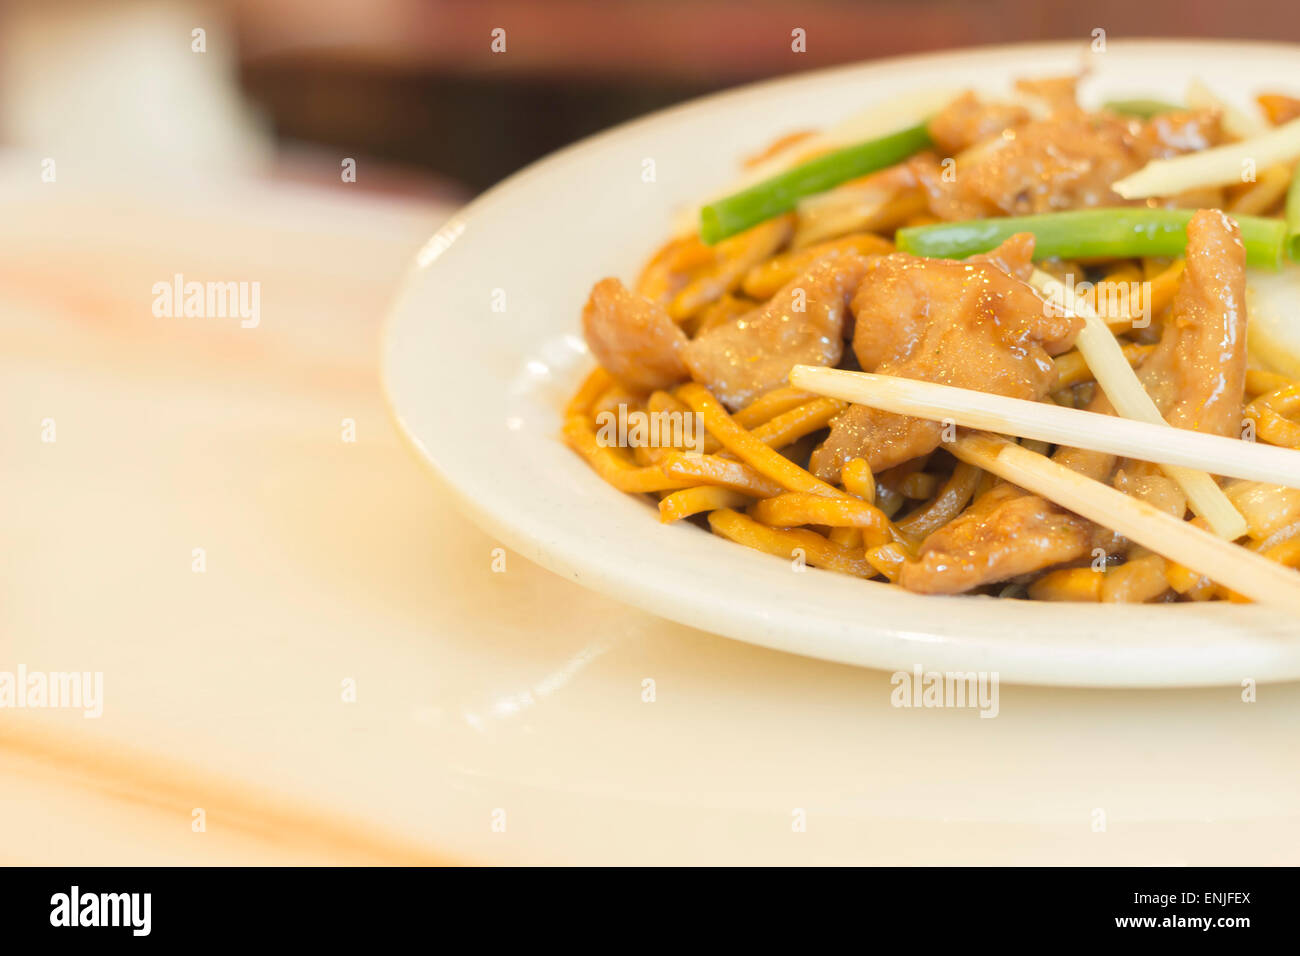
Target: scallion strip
(1143,109)
(1293,217)
(1091,234)
(772,197)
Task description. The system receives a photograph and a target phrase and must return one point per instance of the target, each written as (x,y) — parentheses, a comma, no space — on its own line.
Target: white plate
(483,347)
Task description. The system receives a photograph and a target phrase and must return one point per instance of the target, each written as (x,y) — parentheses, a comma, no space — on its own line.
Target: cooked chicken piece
(1005,533)
(633,338)
(1067,161)
(1197,373)
(969,324)
(1015,257)
(1059,94)
(803,324)
(945,200)
(1064,163)
(1146,482)
(968,120)
(1170,134)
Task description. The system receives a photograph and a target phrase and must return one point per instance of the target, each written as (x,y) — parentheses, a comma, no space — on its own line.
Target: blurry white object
(119,89)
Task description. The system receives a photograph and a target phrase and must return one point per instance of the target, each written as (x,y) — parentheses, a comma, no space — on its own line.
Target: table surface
(499,716)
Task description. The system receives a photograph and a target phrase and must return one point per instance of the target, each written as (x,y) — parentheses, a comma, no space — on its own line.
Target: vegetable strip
(1132,437)
(1142,109)
(1216,166)
(782,192)
(1090,234)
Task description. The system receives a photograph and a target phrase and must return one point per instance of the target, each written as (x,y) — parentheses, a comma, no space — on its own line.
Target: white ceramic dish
(483,347)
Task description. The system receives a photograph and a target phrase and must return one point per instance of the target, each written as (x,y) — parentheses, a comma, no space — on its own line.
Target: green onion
(1293,217)
(1144,109)
(782,192)
(1091,234)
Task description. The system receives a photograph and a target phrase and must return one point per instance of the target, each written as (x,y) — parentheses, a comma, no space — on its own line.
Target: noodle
(798,507)
(712,470)
(734,258)
(794,543)
(1072,368)
(1135,582)
(765,279)
(776,402)
(887,560)
(1271,415)
(693,501)
(593,386)
(607,463)
(1068,584)
(789,427)
(947,504)
(858,480)
(745,446)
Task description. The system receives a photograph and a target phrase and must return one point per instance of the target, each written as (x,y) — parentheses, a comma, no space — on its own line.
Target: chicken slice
(803,324)
(633,338)
(1005,533)
(971,324)
(1066,161)
(1197,373)
(968,120)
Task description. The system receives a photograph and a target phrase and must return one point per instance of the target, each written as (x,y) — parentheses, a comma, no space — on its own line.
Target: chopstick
(1126,437)
(1246,572)
(1117,379)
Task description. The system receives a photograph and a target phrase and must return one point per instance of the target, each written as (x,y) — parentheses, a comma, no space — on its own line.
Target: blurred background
(415,89)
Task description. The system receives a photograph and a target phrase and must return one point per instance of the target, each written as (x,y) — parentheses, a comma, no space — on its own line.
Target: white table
(475,691)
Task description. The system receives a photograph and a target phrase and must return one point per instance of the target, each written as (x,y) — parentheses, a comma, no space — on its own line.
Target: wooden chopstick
(1052,423)
(1129,398)
(1244,571)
